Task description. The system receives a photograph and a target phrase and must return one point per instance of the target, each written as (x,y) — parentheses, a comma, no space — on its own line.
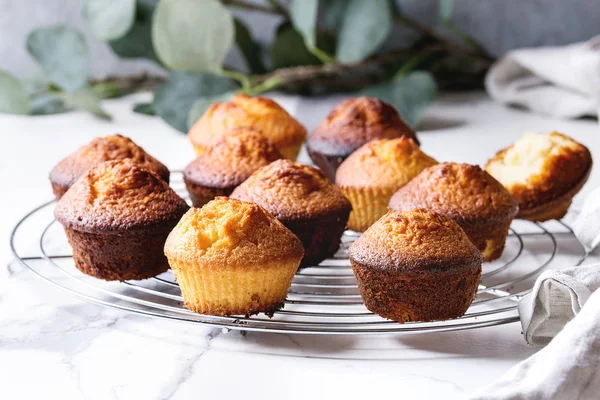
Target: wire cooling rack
(323,299)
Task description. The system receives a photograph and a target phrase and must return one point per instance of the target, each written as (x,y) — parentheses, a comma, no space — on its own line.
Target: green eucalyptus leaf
(288,49)
(174,98)
(13,96)
(202,104)
(144,108)
(87,100)
(109,19)
(365,26)
(411,94)
(63,54)
(303,14)
(47,104)
(446,7)
(192,35)
(137,42)
(249,48)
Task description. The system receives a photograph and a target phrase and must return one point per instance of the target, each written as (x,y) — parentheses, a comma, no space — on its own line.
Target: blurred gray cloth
(558,81)
(587,224)
(568,368)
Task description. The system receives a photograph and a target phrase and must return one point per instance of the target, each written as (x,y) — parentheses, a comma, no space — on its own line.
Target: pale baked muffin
(226,164)
(351,124)
(232,258)
(113,147)
(416,266)
(117,217)
(371,175)
(476,201)
(543,172)
(259,113)
(305,201)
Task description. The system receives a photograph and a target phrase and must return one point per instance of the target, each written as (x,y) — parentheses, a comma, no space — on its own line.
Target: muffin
(476,201)
(259,113)
(371,175)
(304,200)
(114,147)
(416,266)
(543,172)
(117,217)
(351,124)
(226,164)
(232,258)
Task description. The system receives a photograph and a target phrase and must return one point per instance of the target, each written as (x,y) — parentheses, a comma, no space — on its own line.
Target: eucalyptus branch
(278,10)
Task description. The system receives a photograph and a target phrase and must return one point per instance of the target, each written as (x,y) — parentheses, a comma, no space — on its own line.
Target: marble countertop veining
(53,345)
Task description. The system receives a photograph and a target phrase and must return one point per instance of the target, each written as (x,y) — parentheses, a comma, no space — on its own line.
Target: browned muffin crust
(468,195)
(304,200)
(227,164)
(351,124)
(117,217)
(416,266)
(113,147)
(564,168)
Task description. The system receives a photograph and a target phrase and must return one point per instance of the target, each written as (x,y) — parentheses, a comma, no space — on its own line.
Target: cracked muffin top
(383,163)
(232,159)
(116,196)
(234,232)
(416,241)
(291,190)
(356,121)
(259,113)
(463,192)
(113,147)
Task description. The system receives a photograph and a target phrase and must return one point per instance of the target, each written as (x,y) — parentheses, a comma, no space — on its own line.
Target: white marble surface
(53,345)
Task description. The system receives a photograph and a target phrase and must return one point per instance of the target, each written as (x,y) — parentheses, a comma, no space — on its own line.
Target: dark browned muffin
(304,200)
(117,217)
(543,172)
(227,163)
(113,147)
(351,124)
(416,266)
(470,196)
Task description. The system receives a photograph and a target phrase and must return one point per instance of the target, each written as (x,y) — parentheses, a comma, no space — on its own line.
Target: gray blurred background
(500,25)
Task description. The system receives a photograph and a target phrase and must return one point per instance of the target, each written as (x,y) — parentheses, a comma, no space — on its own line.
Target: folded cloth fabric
(587,224)
(558,81)
(568,368)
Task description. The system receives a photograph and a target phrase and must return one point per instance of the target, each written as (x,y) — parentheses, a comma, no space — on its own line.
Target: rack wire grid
(323,299)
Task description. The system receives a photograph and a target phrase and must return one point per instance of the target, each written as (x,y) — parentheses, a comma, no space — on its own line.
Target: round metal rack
(323,299)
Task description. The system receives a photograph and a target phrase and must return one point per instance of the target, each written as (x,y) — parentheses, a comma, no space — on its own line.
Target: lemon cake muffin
(305,201)
(543,172)
(232,258)
(260,113)
(113,147)
(117,217)
(371,175)
(475,200)
(416,266)
(226,164)
(351,124)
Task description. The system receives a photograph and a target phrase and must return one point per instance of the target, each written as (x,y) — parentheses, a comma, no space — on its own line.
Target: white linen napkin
(558,81)
(568,368)
(587,224)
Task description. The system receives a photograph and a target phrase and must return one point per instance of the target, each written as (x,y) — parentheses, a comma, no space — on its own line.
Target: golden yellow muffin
(416,266)
(232,258)
(99,150)
(226,164)
(260,113)
(351,124)
(543,172)
(305,201)
(117,217)
(371,175)
(476,201)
